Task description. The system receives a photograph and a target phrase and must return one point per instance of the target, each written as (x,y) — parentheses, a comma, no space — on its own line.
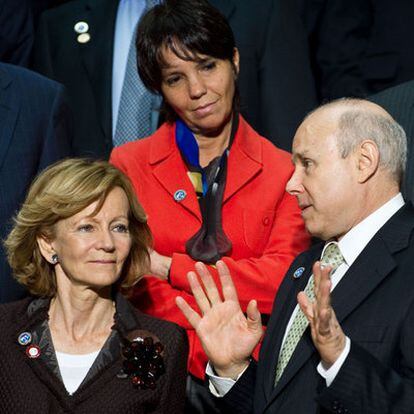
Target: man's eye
(307,163)
(121,228)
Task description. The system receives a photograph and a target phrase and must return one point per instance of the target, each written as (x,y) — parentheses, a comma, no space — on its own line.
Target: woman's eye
(209,65)
(172,80)
(85,228)
(121,228)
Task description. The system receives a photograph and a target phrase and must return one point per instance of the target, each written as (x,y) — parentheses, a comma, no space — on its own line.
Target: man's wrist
(232,371)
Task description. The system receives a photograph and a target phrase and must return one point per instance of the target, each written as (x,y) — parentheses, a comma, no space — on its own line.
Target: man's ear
(45,247)
(368,158)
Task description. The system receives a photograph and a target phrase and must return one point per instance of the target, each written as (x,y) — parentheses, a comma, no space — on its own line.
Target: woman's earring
(55,258)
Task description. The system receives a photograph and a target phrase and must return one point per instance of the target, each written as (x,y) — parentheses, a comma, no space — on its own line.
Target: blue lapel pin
(180,195)
(298,272)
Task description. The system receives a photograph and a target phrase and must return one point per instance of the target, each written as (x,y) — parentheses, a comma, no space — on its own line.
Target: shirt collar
(352,244)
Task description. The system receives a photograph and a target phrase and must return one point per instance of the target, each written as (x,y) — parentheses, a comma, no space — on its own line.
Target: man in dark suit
(340,337)
(362,46)
(35,131)
(274,66)
(399,102)
(16,32)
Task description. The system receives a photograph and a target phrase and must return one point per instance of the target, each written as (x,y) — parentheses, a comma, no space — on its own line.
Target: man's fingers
(254,320)
(306,306)
(208,282)
(192,316)
(198,292)
(323,296)
(227,285)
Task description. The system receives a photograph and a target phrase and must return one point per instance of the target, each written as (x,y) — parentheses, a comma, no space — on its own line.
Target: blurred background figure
(212,187)
(35,131)
(16,32)
(276,83)
(78,345)
(88,45)
(360,46)
(399,102)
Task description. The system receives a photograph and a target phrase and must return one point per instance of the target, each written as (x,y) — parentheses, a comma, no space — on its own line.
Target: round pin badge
(298,272)
(25,338)
(84,38)
(81,27)
(180,195)
(33,351)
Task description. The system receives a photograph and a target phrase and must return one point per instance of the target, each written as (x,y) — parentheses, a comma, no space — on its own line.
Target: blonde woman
(77,345)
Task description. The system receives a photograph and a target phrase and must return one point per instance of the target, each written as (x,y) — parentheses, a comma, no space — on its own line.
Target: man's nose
(294,186)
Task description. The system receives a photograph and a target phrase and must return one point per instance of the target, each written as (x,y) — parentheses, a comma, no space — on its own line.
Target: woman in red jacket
(211,186)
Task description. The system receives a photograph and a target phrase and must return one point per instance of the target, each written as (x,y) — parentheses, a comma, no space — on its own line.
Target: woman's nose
(106,241)
(196,87)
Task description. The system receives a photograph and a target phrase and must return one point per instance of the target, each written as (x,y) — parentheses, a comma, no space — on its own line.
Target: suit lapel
(9,109)
(371,267)
(284,305)
(169,169)
(244,162)
(97,56)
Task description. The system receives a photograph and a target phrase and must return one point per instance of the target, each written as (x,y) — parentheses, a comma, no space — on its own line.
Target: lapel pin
(298,272)
(84,38)
(180,195)
(33,351)
(81,27)
(25,338)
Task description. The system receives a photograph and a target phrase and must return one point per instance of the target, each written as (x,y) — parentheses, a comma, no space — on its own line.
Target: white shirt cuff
(220,386)
(332,372)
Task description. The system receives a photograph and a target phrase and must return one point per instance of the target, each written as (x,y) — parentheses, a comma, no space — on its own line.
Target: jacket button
(265,221)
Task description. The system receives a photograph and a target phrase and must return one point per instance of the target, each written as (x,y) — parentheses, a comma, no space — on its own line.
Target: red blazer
(262,221)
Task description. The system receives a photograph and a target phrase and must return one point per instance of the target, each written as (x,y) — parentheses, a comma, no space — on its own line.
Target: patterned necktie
(136,103)
(331,256)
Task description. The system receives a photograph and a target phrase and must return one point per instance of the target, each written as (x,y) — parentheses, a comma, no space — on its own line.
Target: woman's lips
(204,110)
(103,262)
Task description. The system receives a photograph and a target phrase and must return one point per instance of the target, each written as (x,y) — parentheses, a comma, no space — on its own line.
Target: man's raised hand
(227,335)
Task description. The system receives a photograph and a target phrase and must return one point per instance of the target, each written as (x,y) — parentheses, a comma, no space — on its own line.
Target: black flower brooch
(143,360)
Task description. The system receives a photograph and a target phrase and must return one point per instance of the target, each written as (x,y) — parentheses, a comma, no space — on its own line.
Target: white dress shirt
(351,245)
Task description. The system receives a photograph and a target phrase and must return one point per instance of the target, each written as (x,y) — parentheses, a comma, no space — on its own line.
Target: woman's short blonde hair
(59,192)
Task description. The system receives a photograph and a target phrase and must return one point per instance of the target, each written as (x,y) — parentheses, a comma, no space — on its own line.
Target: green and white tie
(332,256)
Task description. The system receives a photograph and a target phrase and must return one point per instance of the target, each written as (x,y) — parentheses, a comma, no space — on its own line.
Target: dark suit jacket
(35,130)
(16,32)
(275,81)
(364,46)
(399,102)
(374,304)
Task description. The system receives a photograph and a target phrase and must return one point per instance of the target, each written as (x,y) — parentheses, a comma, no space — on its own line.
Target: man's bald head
(356,120)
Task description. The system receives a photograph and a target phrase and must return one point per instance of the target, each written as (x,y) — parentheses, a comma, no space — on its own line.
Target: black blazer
(275,82)
(364,46)
(374,304)
(16,32)
(35,132)
(399,102)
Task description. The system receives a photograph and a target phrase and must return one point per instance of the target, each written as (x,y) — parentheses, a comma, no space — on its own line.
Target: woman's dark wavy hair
(189,28)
